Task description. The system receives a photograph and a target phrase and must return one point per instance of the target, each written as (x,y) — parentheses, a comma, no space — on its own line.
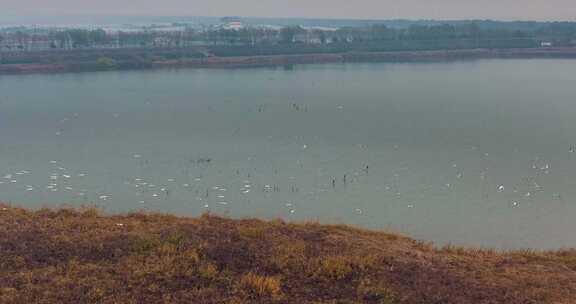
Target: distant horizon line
(82,15)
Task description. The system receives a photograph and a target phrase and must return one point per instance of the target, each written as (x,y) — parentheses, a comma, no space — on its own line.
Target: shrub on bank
(106,63)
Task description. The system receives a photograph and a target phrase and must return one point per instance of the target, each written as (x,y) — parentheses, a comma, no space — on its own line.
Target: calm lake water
(478,153)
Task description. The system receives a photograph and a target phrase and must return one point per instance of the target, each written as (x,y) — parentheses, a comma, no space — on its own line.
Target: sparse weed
(334,268)
(251,232)
(261,286)
(374,292)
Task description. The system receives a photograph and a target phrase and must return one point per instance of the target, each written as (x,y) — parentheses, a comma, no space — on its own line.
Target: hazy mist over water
(479,153)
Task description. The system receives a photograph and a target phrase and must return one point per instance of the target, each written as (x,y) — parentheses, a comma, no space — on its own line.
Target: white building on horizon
(232,23)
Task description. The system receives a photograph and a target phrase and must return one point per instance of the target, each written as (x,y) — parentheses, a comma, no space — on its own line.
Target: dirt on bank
(405,56)
(279,60)
(82,256)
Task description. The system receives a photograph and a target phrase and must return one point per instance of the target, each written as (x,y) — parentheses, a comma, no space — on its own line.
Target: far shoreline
(287,60)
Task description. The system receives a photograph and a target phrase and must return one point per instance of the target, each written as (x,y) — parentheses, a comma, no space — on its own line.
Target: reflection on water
(478,153)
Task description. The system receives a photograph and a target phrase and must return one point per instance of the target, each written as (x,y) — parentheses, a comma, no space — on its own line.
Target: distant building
(311,37)
(162,42)
(28,43)
(232,23)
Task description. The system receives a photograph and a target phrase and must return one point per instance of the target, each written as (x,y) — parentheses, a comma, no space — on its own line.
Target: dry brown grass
(258,286)
(84,256)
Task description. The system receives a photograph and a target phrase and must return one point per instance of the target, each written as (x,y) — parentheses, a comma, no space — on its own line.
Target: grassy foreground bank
(82,256)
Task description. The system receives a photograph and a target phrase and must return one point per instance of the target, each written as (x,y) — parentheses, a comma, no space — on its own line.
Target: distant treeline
(219,41)
(378,38)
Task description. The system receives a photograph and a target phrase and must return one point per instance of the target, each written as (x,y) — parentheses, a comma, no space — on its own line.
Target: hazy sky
(377,9)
